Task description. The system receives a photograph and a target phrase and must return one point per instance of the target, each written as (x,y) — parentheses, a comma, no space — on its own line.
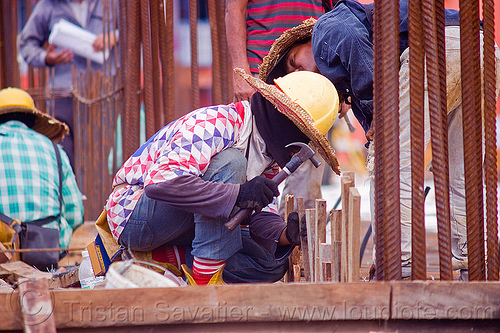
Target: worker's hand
(257,193)
(344,108)
(99,42)
(370,133)
(53,57)
(293,231)
(241,89)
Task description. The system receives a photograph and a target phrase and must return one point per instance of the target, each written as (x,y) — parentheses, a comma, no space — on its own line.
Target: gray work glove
(293,234)
(257,193)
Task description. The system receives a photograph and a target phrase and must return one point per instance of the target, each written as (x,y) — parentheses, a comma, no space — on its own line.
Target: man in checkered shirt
(29,177)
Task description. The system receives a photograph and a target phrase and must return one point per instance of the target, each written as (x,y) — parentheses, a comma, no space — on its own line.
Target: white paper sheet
(67,35)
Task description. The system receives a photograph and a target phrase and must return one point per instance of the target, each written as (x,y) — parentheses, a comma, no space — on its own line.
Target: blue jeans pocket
(137,236)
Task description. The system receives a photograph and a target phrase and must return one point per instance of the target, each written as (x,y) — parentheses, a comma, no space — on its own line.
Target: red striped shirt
(268,19)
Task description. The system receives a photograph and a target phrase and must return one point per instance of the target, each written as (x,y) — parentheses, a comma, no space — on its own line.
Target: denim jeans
(154,223)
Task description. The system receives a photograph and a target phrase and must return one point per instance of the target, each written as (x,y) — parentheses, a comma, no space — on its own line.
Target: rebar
(193,29)
(147,58)
(379,140)
(490,154)
(388,37)
(155,41)
(132,83)
(435,63)
(216,65)
(472,129)
(416,44)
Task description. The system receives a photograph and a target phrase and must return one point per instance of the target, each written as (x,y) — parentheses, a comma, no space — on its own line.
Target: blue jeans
(154,223)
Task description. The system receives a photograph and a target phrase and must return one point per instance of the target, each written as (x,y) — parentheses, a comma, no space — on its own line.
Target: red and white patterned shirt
(183,147)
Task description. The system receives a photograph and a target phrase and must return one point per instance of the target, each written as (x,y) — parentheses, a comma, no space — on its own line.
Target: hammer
(305,153)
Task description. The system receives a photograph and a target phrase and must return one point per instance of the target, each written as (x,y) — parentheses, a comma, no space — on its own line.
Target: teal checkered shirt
(29,180)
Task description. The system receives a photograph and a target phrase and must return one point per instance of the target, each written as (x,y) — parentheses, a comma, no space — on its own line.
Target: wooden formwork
(295,307)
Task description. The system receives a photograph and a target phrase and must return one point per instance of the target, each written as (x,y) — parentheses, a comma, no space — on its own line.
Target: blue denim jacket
(343,51)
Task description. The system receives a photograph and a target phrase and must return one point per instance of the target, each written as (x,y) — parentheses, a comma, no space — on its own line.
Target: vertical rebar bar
(490,154)
(155,45)
(378,125)
(416,44)
(147,59)
(216,65)
(472,127)
(132,83)
(167,58)
(439,132)
(390,63)
(225,60)
(193,29)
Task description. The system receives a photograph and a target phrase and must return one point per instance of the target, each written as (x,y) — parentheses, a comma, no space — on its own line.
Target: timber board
(247,306)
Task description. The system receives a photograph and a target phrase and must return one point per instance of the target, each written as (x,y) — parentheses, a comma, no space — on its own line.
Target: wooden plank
(36,304)
(347,181)
(19,269)
(354,230)
(238,303)
(446,300)
(4,256)
(303,240)
(65,280)
(5,286)
(325,252)
(311,233)
(242,307)
(336,230)
(320,236)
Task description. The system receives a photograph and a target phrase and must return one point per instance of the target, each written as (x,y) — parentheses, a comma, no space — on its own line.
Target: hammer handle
(240,215)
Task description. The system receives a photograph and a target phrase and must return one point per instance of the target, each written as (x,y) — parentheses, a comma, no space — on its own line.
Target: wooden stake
(336,227)
(289,207)
(325,261)
(354,222)
(320,236)
(303,241)
(347,181)
(311,242)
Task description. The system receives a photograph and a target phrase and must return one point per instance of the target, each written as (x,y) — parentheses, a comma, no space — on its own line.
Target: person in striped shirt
(251,28)
(253,25)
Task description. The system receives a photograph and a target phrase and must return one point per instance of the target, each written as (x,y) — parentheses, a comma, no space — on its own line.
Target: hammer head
(305,153)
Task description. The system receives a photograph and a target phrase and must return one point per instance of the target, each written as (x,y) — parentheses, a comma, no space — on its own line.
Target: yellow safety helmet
(315,94)
(15,98)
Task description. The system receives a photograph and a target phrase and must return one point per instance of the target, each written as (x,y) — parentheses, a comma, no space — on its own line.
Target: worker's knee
(228,166)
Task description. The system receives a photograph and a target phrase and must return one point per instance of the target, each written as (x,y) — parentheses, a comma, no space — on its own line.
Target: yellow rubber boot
(215,279)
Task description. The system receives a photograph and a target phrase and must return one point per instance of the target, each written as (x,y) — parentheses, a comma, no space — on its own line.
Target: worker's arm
(211,199)
(237,45)
(34,35)
(343,53)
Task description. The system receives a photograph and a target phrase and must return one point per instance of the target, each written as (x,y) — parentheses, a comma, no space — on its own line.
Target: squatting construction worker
(180,187)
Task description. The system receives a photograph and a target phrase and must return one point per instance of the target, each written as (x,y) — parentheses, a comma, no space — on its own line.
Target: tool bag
(15,234)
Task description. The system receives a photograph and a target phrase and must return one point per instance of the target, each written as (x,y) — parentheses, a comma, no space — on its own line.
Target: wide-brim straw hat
(297,115)
(283,43)
(44,124)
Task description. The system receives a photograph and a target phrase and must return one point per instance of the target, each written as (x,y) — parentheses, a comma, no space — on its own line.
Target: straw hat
(299,116)
(283,43)
(17,100)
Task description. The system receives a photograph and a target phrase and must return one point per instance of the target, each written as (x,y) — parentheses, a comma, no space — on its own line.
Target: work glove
(293,231)
(257,193)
